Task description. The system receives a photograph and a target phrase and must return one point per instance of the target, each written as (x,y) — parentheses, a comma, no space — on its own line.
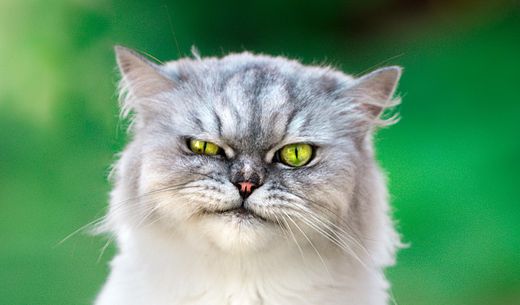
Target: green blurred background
(452,160)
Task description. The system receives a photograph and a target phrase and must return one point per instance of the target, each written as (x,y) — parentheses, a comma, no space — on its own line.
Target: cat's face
(214,154)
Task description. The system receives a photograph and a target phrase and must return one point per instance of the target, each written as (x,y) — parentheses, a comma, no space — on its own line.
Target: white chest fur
(155,271)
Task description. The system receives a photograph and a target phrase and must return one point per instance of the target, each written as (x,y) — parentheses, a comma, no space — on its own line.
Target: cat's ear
(141,79)
(375,91)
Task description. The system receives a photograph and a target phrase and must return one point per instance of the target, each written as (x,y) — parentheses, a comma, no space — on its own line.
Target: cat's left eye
(295,155)
(204,148)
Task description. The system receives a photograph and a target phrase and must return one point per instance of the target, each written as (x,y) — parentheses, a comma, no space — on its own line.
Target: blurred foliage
(452,160)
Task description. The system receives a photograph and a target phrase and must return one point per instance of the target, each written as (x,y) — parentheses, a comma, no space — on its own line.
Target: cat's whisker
(156,220)
(123,205)
(148,214)
(311,244)
(329,234)
(345,234)
(392,297)
(281,226)
(348,246)
(81,229)
(336,240)
(336,229)
(293,237)
(326,209)
(104,248)
(325,232)
(156,191)
(334,215)
(342,233)
(118,207)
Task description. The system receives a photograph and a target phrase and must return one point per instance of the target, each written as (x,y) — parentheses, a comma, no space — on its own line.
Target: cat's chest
(270,295)
(200,286)
(137,282)
(220,295)
(231,289)
(246,295)
(216,292)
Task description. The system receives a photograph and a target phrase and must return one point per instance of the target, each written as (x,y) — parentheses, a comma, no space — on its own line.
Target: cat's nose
(245,188)
(247,175)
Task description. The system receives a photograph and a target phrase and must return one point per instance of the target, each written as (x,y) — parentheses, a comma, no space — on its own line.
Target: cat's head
(241,150)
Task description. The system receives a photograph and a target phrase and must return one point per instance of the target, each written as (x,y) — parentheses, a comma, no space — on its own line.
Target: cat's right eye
(201,147)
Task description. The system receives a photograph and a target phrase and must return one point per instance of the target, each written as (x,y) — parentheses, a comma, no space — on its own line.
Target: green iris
(296,155)
(204,148)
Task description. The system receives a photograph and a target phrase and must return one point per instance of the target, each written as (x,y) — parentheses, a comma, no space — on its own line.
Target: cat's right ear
(141,79)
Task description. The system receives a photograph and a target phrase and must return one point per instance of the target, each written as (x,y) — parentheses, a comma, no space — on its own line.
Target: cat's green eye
(204,148)
(296,155)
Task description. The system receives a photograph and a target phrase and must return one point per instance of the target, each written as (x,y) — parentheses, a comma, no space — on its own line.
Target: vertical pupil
(204,148)
(296,152)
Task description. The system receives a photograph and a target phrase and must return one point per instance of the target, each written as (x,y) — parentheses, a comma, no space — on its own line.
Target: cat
(249,179)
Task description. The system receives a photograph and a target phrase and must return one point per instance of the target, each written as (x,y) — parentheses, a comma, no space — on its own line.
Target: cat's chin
(239,231)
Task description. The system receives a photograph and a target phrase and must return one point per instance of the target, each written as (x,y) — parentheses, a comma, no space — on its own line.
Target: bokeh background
(453,160)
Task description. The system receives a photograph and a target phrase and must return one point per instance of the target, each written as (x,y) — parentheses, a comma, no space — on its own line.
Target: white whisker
(311,244)
(294,238)
(329,234)
(104,248)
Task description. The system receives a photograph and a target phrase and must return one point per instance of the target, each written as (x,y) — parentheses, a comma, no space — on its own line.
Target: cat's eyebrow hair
(289,120)
(306,121)
(219,123)
(290,117)
(193,116)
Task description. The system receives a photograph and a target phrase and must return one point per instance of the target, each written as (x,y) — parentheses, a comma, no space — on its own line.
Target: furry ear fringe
(125,98)
(135,106)
(389,114)
(142,81)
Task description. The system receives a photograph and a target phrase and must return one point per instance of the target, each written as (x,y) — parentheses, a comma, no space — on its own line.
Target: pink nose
(246,187)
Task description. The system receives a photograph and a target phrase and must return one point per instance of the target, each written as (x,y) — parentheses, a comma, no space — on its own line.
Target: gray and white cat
(249,179)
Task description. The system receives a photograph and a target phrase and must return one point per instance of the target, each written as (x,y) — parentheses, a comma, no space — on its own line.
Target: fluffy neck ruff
(154,267)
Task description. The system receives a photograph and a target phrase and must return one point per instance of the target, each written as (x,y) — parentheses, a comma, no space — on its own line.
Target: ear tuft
(141,79)
(375,90)
(143,76)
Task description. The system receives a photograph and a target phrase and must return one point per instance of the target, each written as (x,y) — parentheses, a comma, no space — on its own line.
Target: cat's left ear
(375,90)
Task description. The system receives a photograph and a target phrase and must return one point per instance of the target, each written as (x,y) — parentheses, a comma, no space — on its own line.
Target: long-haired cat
(249,179)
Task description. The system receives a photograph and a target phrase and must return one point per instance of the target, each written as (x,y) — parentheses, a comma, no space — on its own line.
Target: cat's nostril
(245,188)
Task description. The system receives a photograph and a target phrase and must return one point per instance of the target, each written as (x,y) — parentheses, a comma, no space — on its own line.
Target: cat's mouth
(241,212)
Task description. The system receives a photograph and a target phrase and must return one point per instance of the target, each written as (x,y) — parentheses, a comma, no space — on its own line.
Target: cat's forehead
(253,103)
(254,108)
